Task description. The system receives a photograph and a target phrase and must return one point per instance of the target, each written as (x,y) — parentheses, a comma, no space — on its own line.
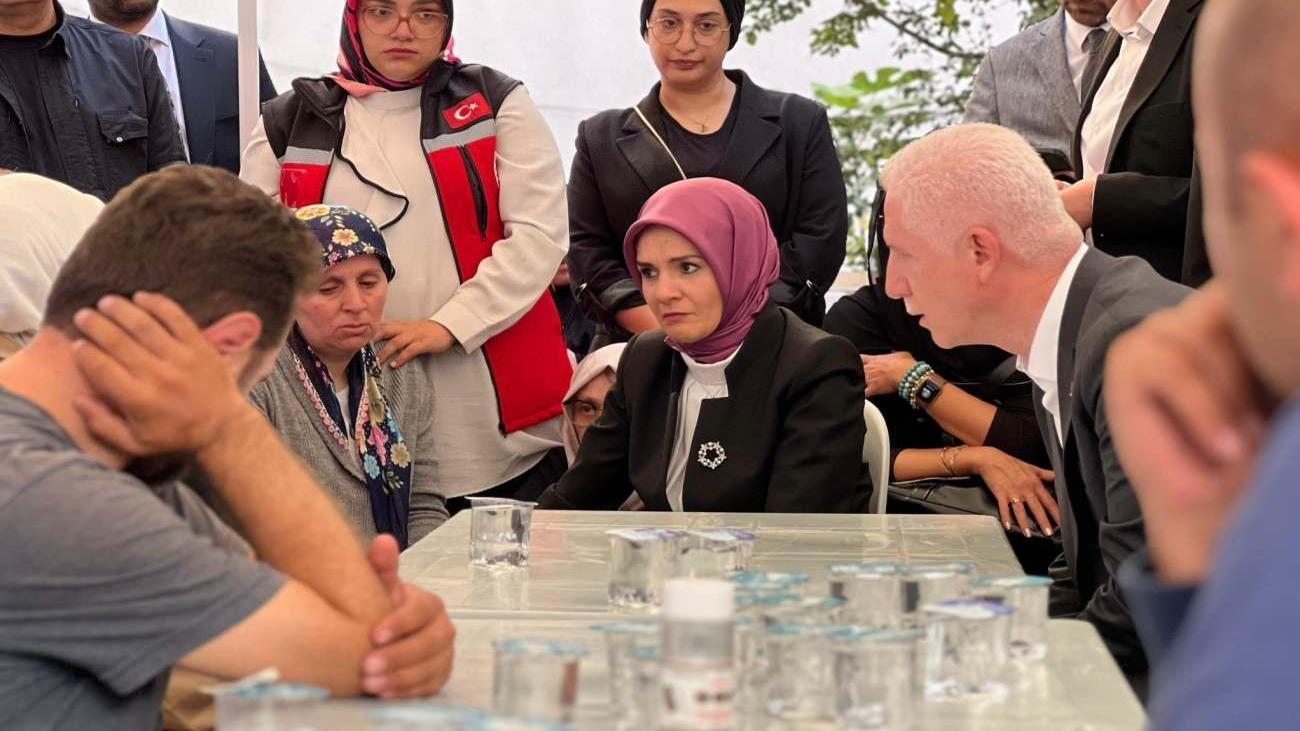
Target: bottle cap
(708,600)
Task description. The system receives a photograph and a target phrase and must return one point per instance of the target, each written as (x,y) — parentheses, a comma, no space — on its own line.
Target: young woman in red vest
(461,172)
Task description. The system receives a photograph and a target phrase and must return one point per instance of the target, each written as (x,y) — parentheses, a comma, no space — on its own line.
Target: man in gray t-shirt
(108,582)
(104,585)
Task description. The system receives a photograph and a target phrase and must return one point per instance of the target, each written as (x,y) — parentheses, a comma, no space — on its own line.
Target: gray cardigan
(286,404)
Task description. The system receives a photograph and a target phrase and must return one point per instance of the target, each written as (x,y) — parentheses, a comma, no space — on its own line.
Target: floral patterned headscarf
(345,233)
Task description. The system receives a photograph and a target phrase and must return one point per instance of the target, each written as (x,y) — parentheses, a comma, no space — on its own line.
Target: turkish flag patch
(468,111)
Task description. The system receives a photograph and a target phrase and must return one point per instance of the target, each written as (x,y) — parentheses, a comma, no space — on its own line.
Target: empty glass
(263,706)
(966,649)
(931,584)
(640,561)
(1028,596)
(872,592)
(798,672)
(499,531)
(536,678)
(874,672)
(717,552)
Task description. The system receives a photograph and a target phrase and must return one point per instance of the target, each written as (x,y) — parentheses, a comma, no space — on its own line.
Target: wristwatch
(930,389)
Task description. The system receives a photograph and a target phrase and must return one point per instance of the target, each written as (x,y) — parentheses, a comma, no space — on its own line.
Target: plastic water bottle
(699,672)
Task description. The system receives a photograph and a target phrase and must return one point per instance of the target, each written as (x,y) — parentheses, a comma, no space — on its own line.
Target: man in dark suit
(201,67)
(1133,148)
(983,250)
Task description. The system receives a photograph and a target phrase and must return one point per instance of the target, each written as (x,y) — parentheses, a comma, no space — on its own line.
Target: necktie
(1092,44)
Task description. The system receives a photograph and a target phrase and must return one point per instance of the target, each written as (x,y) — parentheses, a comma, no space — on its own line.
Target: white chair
(875,454)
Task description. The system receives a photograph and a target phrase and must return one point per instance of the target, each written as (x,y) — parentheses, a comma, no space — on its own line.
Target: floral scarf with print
(378,443)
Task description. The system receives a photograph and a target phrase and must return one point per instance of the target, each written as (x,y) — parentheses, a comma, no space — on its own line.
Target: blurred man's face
(933,280)
(1254,245)
(1091,13)
(123,11)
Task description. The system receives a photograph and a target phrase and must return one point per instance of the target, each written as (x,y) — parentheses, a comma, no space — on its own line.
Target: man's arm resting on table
(316,629)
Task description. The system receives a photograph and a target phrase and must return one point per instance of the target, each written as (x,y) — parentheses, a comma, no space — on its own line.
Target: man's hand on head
(159,386)
(1188,417)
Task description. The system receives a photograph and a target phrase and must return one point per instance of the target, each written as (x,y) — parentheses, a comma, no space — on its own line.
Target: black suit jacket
(781,151)
(791,426)
(1101,522)
(1141,203)
(207,65)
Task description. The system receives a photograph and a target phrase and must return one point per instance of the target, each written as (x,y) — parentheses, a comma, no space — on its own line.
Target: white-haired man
(1206,400)
(982,248)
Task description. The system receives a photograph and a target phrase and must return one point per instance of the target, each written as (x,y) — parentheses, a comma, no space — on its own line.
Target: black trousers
(528,486)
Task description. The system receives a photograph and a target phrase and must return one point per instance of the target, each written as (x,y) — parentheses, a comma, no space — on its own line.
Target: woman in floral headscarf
(366,431)
(456,164)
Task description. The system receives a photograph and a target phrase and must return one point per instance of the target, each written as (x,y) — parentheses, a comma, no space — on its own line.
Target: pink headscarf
(730,228)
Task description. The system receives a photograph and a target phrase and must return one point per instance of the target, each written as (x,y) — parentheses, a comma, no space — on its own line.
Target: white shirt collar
(1041,364)
(1076,33)
(709,374)
(1133,21)
(157,29)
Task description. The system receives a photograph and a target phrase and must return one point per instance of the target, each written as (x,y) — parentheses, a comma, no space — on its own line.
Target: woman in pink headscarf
(735,404)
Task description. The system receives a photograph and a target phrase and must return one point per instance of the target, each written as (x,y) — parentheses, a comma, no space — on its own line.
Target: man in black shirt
(80,102)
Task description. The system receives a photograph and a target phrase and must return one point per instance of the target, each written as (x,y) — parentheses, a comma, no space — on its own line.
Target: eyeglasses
(669,30)
(424,24)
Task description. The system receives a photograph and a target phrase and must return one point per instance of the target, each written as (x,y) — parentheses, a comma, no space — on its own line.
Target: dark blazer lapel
(642,149)
(724,420)
(1076,304)
(758,127)
(194,71)
(1056,74)
(1168,41)
(1109,52)
(664,449)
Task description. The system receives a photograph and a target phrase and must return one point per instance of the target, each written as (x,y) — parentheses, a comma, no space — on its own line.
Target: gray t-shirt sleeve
(100,574)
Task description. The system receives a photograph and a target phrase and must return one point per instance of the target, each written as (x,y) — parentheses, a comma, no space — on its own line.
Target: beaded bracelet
(909,381)
(915,393)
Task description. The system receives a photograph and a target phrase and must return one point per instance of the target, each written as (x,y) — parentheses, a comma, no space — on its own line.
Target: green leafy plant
(937,47)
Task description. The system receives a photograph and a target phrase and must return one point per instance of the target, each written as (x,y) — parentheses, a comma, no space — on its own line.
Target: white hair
(981,175)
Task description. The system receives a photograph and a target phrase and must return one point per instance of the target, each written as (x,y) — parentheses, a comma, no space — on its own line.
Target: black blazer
(781,151)
(1101,521)
(207,66)
(792,428)
(1141,203)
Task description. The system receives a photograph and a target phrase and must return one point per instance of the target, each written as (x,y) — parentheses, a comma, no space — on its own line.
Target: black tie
(1092,44)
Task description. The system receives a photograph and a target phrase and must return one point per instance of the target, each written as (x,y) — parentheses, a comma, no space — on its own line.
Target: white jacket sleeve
(534,209)
(258,166)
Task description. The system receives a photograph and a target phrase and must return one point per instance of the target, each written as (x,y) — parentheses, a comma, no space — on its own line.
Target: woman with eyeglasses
(699,121)
(460,171)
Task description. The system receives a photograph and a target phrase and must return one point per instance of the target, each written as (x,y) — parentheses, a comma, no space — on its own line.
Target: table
(562,594)
(567,572)
(1078,687)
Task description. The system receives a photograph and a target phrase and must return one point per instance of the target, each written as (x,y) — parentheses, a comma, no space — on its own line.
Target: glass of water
(717,552)
(623,640)
(874,672)
(499,531)
(640,561)
(925,584)
(1028,596)
(872,592)
(536,678)
(967,642)
(799,671)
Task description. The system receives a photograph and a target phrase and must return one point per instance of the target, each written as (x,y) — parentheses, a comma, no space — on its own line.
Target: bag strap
(655,132)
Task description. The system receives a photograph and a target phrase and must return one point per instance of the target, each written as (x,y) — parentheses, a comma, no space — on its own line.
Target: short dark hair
(200,236)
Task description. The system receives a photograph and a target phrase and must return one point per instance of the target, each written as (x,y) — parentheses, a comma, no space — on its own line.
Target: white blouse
(703,381)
